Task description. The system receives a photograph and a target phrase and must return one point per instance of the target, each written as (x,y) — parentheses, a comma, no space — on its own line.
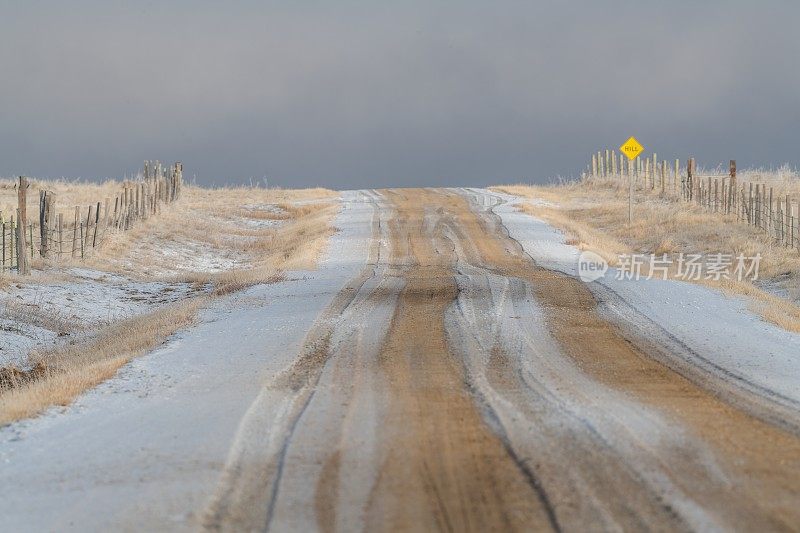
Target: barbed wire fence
(59,235)
(753,203)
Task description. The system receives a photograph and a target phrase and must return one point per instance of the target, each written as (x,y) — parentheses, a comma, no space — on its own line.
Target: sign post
(631,148)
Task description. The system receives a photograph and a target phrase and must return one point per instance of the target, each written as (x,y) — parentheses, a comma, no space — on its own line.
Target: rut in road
(454,385)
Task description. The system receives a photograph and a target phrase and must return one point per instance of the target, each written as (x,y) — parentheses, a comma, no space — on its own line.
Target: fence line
(752,203)
(52,236)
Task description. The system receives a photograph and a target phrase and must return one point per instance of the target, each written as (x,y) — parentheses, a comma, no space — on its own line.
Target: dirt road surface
(432,375)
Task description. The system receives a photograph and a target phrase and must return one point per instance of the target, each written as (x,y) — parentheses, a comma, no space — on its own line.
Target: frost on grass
(41,314)
(231,236)
(203,235)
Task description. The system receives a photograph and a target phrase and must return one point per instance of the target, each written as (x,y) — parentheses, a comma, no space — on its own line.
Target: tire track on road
(250,481)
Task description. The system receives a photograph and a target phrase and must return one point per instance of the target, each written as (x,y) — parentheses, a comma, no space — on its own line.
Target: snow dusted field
(39,314)
(63,305)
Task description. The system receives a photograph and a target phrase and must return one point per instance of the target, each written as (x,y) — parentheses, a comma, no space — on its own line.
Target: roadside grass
(69,193)
(594,216)
(296,246)
(58,375)
(251,236)
(210,230)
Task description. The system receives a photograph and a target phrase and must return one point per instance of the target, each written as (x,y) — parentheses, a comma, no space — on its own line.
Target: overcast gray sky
(368,94)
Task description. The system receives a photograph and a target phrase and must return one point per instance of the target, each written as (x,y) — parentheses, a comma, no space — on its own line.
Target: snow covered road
(442,370)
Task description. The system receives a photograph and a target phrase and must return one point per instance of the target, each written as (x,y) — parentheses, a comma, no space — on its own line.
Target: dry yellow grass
(59,375)
(784,180)
(296,246)
(254,234)
(68,195)
(213,235)
(594,216)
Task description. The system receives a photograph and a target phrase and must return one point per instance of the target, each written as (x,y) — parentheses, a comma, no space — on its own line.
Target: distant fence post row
(58,237)
(751,203)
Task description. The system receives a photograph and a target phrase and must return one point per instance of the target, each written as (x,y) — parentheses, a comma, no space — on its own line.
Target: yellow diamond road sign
(631,148)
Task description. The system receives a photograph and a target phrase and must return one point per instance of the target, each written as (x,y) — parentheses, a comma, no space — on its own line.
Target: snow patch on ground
(38,314)
(540,202)
(269,208)
(198,257)
(784,286)
(258,223)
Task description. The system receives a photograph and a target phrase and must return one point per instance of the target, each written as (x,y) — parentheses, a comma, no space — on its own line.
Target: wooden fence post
(125,201)
(52,222)
(96,224)
(43,223)
(47,200)
(171,180)
(129,213)
(732,186)
(605,164)
(675,177)
(770,211)
(759,203)
(756,210)
(60,235)
(75,231)
(145,201)
(12,245)
(716,195)
(760,194)
(136,202)
(23,267)
(653,175)
(89,217)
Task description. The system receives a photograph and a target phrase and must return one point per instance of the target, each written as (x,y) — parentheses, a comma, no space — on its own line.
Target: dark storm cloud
(354,94)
